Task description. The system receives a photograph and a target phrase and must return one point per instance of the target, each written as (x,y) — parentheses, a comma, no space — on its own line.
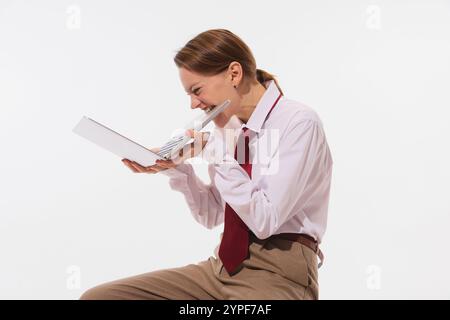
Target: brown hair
(211,52)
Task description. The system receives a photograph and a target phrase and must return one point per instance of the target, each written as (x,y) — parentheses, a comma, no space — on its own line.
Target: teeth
(209,109)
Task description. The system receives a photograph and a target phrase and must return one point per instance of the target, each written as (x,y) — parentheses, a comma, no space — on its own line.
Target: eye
(196,91)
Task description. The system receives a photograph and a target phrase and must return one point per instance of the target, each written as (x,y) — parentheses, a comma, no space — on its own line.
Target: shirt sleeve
(264,205)
(204,200)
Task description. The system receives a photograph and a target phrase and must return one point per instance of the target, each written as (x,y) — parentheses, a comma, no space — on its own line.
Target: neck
(250,99)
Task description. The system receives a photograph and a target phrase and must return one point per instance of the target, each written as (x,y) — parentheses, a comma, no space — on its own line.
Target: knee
(101,292)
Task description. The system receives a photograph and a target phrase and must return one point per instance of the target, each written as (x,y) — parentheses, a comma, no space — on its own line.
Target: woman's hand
(159,166)
(189,151)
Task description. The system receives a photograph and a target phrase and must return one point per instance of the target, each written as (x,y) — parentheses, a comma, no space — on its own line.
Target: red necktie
(234,245)
(235,240)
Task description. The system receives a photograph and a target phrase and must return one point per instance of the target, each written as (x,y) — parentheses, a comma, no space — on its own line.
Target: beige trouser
(275,269)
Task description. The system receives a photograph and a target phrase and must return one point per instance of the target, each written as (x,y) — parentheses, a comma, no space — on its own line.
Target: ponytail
(263,76)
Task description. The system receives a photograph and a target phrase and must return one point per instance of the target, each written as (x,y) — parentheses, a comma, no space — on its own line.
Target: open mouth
(209,109)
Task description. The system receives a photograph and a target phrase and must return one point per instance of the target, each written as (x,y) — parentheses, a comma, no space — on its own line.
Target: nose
(195,103)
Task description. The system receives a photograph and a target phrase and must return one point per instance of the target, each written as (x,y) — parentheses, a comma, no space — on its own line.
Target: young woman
(272,197)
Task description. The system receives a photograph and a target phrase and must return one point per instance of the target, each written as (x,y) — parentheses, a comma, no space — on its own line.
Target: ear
(235,73)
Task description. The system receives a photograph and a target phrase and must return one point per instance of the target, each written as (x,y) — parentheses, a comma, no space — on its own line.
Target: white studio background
(73,216)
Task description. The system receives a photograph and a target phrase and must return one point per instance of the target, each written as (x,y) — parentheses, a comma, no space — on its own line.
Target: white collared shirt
(291,172)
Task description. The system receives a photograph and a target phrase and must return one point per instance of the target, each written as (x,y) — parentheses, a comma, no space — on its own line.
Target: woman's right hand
(159,166)
(189,151)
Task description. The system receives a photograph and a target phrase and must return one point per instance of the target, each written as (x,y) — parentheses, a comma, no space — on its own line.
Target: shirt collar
(263,107)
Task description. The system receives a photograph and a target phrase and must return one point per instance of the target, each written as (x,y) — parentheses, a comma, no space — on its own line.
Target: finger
(127,163)
(150,169)
(166,161)
(158,168)
(154,169)
(165,164)
(131,168)
(142,168)
(138,167)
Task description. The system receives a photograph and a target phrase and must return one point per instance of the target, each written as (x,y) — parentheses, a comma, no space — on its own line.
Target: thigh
(259,284)
(193,281)
(274,269)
